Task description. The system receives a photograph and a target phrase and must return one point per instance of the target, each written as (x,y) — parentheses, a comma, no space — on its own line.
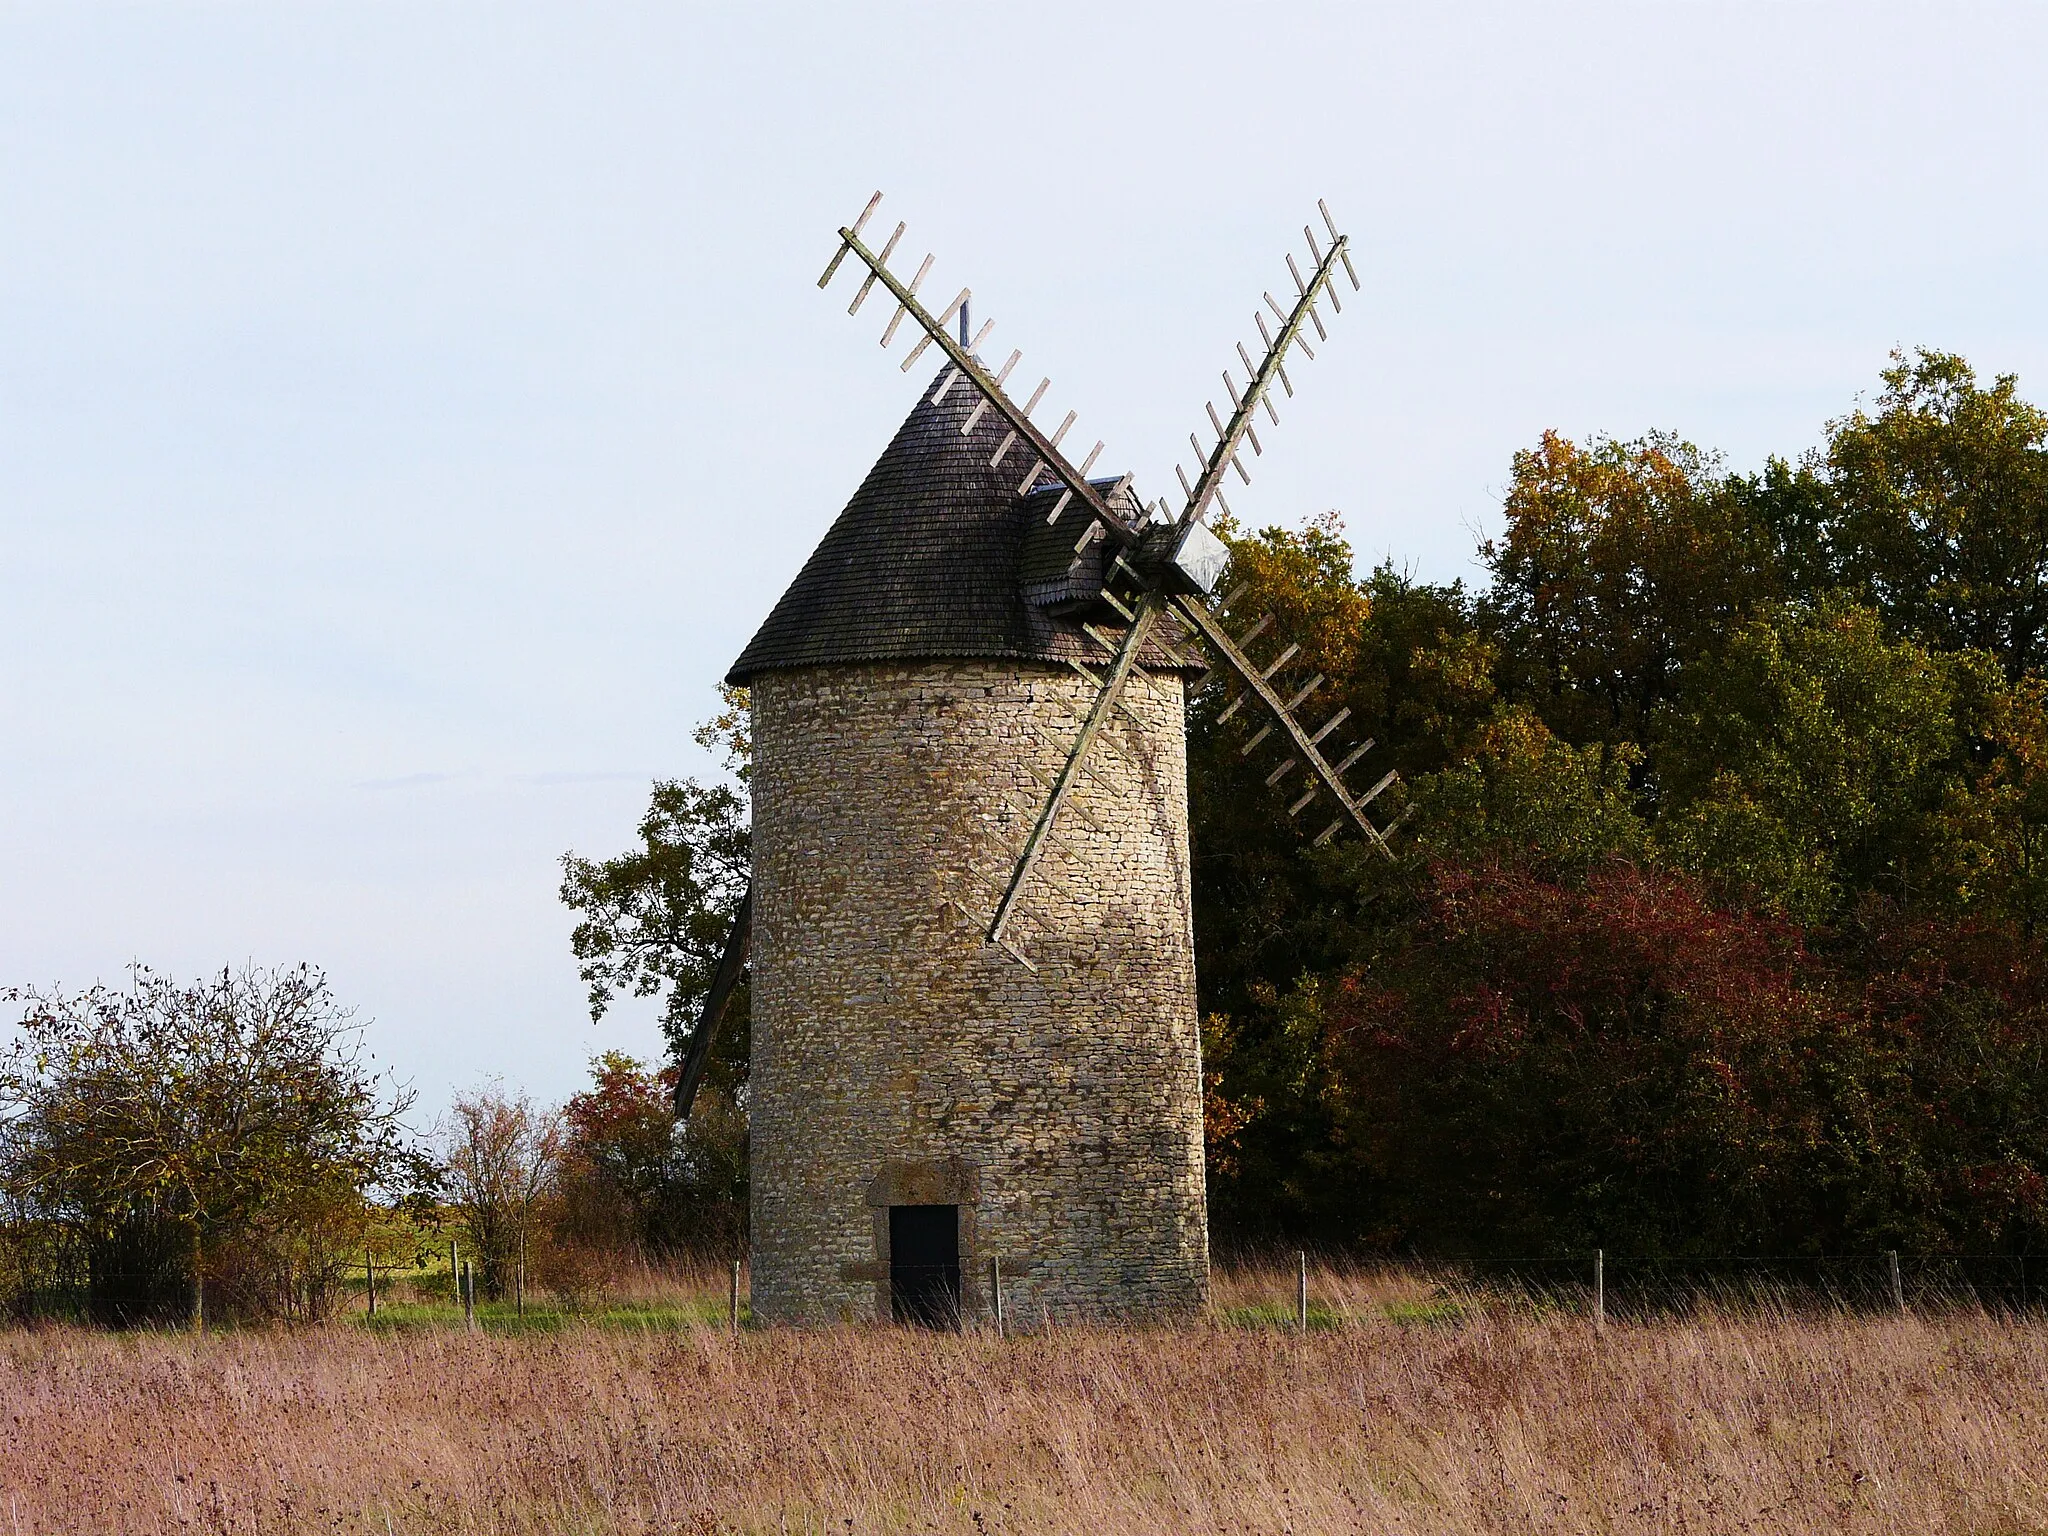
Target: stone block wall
(1053,1093)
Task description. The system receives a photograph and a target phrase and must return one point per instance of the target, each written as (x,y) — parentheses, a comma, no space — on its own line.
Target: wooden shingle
(927,561)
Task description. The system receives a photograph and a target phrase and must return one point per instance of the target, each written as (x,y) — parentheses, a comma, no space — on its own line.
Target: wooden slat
(988,387)
(1255,680)
(1224,455)
(1070,773)
(698,1054)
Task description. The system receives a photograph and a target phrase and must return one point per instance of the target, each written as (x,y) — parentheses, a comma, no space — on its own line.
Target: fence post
(733,1301)
(995,1287)
(370,1279)
(455,1268)
(468,1283)
(1600,1289)
(1301,1293)
(1898,1280)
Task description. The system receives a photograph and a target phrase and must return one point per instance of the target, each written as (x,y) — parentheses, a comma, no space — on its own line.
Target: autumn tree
(636,1177)
(1619,562)
(221,1134)
(504,1159)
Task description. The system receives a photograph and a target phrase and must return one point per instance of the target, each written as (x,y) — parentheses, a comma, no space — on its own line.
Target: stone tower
(924,1103)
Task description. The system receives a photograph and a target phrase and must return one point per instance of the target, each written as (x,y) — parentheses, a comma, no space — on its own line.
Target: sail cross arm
(1255,680)
(730,964)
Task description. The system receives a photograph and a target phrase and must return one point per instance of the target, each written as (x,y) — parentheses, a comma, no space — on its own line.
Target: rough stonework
(1055,1098)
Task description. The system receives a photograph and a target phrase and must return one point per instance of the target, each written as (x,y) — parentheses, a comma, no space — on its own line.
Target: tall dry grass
(1488,1419)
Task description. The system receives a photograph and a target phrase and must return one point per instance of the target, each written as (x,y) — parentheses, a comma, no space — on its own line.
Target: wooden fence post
(1600,1289)
(468,1283)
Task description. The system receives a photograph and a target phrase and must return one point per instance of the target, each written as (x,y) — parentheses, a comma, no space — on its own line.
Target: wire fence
(1621,1286)
(46,1274)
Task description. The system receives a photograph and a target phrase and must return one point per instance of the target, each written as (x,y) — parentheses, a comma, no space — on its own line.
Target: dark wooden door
(924,1265)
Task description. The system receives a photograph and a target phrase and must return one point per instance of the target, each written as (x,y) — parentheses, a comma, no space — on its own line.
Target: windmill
(975,998)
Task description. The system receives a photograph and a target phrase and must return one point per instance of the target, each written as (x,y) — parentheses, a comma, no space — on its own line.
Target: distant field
(1405,1409)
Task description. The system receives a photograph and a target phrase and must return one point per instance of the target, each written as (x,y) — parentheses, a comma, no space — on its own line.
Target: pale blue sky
(407,412)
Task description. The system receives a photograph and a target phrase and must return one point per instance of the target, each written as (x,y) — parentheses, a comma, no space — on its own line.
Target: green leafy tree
(654,920)
(1811,760)
(1404,658)
(1940,509)
(1524,793)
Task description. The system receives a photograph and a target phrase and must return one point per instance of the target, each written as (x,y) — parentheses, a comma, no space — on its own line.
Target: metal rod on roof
(959,303)
(982,405)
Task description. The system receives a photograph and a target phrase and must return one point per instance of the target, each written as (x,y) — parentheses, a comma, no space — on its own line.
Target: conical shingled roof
(925,563)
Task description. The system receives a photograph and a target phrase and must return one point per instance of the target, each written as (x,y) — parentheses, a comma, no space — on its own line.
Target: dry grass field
(1398,1414)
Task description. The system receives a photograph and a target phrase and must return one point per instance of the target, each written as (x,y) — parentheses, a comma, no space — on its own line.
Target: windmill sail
(1161,571)
(1024,442)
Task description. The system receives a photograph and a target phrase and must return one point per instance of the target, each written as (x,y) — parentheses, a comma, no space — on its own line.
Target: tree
(1619,563)
(655,919)
(504,1157)
(1810,760)
(187,1131)
(1939,511)
(634,1176)
(1405,660)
